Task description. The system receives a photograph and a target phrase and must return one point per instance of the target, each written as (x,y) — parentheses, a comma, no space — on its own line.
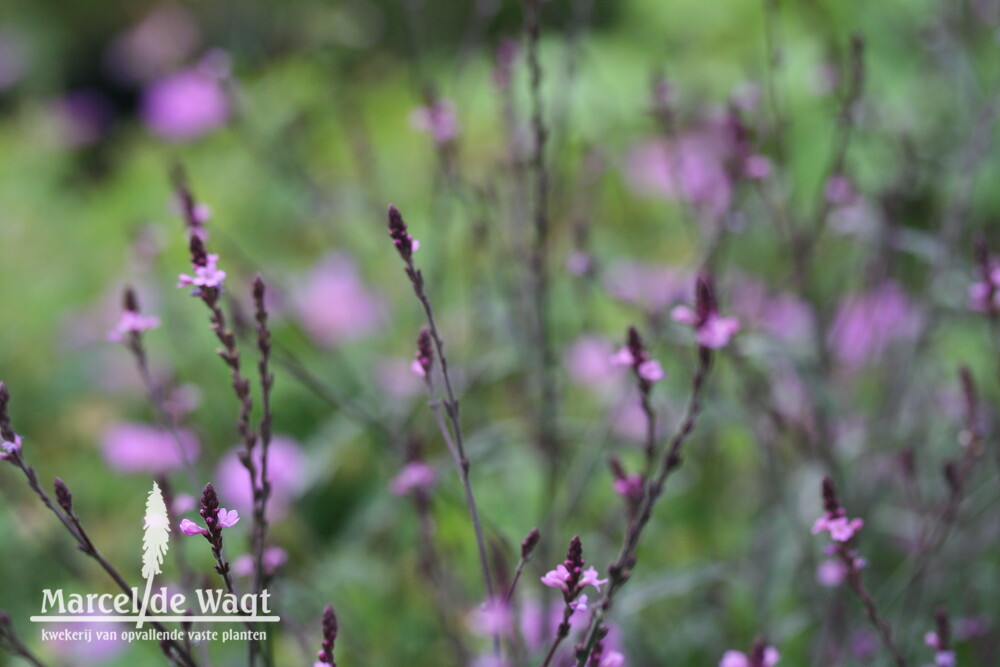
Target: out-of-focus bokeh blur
(297,122)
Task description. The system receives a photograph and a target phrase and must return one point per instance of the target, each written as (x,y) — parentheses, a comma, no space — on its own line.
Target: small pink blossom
(839,190)
(830,573)
(132,322)
(944,659)
(579,604)
(841,528)
(757,167)
(714,332)
(287,470)
(185,105)
(334,303)
(612,659)
(415,475)
(739,659)
(650,370)
(590,577)
(190,528)
(438,120)
(208,275)
(557,578)
(274,557)
(629,486)
(9,447)
(228,518)
(493,617)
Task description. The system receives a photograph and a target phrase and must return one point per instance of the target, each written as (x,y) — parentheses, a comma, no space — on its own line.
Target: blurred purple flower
(839,190)
(286,470)
(7,447)
(740,659)
(757,167)
(185,105)
(155,45)
(588,361)
(135,447)
(274,558)
(830,573)
(414,475)
(865,324)
(438,119)
(692,168)
(493,617)
(334,305)
(396,378)
(82,117)
(784,316)
(132,322)
(841,528)
(96,651)
(649,286)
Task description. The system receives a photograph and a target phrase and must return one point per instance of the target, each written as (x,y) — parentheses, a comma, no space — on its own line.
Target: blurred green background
(318,138)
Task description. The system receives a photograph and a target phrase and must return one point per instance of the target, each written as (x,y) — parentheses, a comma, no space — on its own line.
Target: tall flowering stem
(406,245)
(547,435)
(842,531)
(62,507)
(130,332)
(570,577)
(206,283)
(262,491)
(621,569)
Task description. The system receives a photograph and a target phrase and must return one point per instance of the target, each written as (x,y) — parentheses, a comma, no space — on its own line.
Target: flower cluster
(570,577)
(216,518)
(712,330)
(330,629)
(405,244)
(761,655)
(415,475)
(940,640)
(132,322)
(634,354)
(437,119)
(425,354)
(207,275)
(834,519)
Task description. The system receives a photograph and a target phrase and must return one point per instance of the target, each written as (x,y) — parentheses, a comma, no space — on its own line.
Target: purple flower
(830,573)
(135,447)
(190,528)
(841,528)
(769,657)
(415,475)
(207,275)
(228,518)
(612,659)
(286,471)
(590,578)
(334,305)
(865,324)
(757,167)
(493,617)
(629,487)
(692,168)
(185,105)
(634,354)
(7,447)
(438,119)
(712,330)
(274,558)
(588,361)
(132,322)
(839,190)
(558,578)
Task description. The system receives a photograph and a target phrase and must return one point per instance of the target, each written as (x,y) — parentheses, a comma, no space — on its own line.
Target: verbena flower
(132,322)
(494,617)
(226,519)
(333,303)
(185,105)
(841,528)
(135,447)
(8,447)
(712,330)
(205,275)
(437,119)
(414,475)
(274,558)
